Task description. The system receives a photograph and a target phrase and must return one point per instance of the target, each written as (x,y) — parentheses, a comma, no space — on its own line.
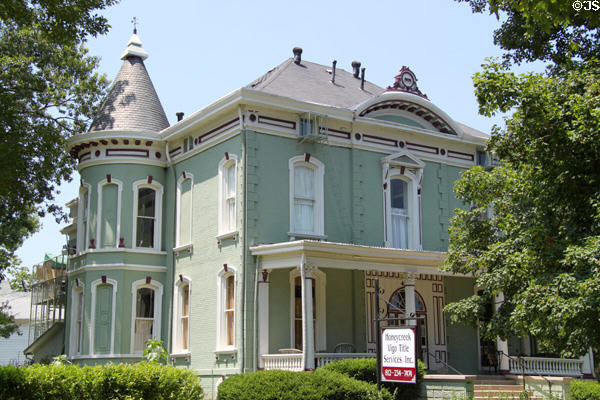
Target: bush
(585,390)
(112,381)
(316,385)
(364,369)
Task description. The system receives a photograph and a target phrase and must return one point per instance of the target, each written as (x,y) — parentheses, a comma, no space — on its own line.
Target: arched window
(306,197)
(146,318)
(183,232)
(83,214)
(104,297)
(402,173)
(109,213)
(77,309)
(181,325)
(147,205)
(397,308)
(227,309)
(227,218)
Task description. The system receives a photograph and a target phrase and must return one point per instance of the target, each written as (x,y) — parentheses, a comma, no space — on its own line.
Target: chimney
(362,79)
(297,54)
(355,68)
(333,71)
(179,116)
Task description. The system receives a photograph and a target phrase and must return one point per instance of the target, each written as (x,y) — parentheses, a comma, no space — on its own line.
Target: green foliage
(21,278)
(320,384)
(7,322)
(155,351)
(141,381)
(547,30)
(49,90)
(585,390)
(540,244)
(365,369)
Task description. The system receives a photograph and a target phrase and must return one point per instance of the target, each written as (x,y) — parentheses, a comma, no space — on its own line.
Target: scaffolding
(48,296)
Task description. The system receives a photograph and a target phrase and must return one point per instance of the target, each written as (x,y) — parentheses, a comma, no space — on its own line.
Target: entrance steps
(499,387)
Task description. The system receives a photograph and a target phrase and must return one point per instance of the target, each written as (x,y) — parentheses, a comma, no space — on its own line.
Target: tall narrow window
(103,310)
(226,314)
(227,195)
(399,212)
(184,210)
(306,197)
(77,304)
(146,217)
(83,218)
(181,326)
(298,312)
(144,318)
(109,212)
(319,282)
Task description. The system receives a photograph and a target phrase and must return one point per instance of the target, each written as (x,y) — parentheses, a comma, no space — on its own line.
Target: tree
(7,322)
(49,89)
(533,229)
(544,30)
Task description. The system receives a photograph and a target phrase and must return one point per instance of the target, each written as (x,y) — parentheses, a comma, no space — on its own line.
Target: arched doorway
(396,309)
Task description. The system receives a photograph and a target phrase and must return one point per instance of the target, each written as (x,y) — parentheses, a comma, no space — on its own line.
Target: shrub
(317,385)
(112,381)
(585,390)
(364,369)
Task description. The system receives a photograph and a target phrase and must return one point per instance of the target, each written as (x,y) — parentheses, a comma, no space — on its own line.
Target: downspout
(245,232)
(170,313)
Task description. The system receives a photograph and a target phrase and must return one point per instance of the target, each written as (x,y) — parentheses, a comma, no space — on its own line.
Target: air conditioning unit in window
(313,128)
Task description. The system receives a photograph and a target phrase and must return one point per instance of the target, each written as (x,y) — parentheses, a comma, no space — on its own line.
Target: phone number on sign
(398,374)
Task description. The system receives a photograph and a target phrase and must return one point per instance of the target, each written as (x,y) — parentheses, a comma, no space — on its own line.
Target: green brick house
(248,234)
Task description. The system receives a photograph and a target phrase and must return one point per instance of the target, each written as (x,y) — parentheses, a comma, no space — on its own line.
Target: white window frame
(83,234)
(320,306)
(101,185)
(158,188)
(177,315)
(185,176)
(222,345)
(404,166)
(158,293)
(77,288)
(318,211)
(94,286)
(223,228)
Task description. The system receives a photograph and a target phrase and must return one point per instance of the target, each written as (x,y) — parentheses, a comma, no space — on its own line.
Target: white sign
(398,356)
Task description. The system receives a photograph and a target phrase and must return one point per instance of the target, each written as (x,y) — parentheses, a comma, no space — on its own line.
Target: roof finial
(134,21)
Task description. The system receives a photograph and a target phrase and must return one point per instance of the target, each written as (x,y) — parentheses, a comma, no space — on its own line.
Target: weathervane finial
(134,21)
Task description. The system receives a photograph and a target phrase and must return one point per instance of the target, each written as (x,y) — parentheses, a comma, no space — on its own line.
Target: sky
(199,51)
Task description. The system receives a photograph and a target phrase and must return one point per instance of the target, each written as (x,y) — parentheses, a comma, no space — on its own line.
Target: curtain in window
(399,214)
(304,199)
(144,318)
(146,217)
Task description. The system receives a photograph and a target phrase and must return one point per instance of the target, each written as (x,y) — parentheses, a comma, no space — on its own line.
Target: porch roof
(347,256)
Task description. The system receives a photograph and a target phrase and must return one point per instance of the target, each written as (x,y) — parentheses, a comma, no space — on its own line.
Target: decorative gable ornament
(406,81)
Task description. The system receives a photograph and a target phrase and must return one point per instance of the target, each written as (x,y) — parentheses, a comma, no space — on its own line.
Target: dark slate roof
(131,103)
(311,82)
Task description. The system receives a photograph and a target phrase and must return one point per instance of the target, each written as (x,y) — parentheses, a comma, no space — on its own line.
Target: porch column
(501,345)
(409,297)
(308,328)
(263,316)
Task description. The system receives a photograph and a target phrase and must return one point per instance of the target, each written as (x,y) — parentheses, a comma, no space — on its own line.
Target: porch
(315,295)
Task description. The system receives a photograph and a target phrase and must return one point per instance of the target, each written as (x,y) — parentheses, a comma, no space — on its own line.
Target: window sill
(314,236)
(186,353)
(141,250)
(226,351)
(227,235)
(185,247)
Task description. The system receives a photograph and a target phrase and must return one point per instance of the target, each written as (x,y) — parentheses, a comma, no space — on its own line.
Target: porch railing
(545,366)
(293,362)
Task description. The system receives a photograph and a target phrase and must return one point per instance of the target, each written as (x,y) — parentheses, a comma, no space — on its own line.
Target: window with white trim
(181,334)
(146,313)
(109,213)
(226,307)
(306,197)
(402,173)
(147,205)
(77,304)
(103,311)
(183,232)
(227,218)
(83,211)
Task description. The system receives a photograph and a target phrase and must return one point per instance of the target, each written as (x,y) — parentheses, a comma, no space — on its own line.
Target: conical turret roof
(131,103)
